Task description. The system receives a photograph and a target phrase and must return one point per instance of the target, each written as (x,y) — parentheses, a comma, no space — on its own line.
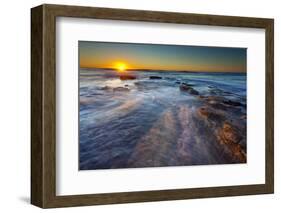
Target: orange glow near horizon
(121,66)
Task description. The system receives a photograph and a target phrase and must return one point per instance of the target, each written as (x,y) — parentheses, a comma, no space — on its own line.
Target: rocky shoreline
(162,121)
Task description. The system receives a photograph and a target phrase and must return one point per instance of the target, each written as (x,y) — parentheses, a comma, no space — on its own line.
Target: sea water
(146,122)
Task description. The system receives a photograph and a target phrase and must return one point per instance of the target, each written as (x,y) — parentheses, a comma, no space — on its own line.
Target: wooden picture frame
(43,105)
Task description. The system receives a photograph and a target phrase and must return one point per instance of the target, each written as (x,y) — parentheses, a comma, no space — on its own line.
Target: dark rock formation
(155,77)
(229,136)
(105,88)
(222,103)
(127,77)
(232,103)
(189,89)
(187,84)
(210,115)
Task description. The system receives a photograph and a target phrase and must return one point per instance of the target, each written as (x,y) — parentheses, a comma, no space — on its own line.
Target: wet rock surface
(228,129)
(232,103)
(230,136)
(188,88)
(155,77)
(127,77)
(105,88)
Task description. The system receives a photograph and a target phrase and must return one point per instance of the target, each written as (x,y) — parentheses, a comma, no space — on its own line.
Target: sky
(161,57)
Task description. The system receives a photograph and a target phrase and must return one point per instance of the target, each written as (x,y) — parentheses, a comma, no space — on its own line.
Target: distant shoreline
(151,70)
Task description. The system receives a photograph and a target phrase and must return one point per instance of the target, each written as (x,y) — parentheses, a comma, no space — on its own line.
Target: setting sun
(121,67)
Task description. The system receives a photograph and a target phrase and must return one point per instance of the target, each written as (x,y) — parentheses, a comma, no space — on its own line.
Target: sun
(121,66)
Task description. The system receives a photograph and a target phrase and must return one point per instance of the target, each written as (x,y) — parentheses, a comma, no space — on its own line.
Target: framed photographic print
(135,106)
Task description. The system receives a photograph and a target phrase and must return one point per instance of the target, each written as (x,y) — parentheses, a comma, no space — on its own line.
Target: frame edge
(37,189)
(269,73)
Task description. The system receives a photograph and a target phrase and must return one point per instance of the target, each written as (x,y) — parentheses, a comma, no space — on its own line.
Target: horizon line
(139,69)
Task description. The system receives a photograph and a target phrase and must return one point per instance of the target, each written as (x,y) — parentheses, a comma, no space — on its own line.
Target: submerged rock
(232,103)
(127,77)
(188,88)
(155,77)
(105,88)
(121,89)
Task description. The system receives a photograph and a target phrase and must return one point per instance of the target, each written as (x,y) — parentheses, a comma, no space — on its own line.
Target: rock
(184,87)
(121,89)
(222,103)
(220,106)
(229,135)
(232,103)
(155,77)
(188,85)
(188,88)
(127,77)
(227,93)
(193,92)
(214,98)
(203,112)
(105,88)
(210,115)
(202,97)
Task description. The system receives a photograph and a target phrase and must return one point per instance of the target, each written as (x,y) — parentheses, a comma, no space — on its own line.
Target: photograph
(155,105)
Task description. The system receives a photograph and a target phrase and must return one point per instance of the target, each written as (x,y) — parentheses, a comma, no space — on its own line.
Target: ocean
(142,119)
